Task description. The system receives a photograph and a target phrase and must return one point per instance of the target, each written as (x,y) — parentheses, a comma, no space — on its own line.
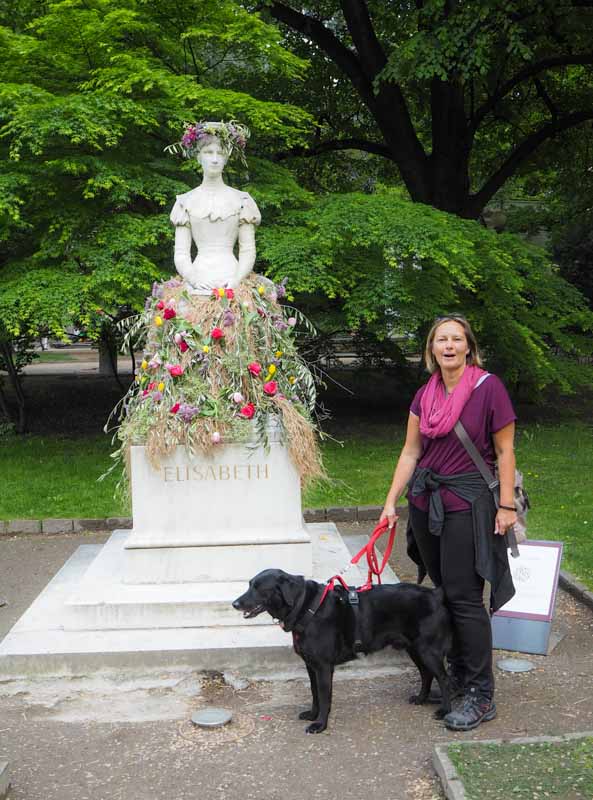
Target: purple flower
(157,397)
(279,324)
(228,318)
(187,412)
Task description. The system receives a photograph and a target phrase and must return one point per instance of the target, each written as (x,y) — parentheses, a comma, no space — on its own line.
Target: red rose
(248,411)
(174,409)
(169,313)
(254,368)
(229,293)
(271,387)
(160,305)
(183,346)
(217,333)
(175,371)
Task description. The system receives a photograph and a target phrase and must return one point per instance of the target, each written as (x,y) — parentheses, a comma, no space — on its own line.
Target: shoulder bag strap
(490,479)
(475,456)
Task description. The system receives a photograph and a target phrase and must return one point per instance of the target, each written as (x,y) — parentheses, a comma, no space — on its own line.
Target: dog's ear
(291,587)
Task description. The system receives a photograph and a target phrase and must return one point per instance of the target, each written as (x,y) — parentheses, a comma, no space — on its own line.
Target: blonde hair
(473,357)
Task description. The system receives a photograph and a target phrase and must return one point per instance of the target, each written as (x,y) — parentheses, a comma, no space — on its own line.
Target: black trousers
(449,560)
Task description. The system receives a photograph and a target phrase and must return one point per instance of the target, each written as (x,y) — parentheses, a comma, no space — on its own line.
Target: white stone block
(221,517)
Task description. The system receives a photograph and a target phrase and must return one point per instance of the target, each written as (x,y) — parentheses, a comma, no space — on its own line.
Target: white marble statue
(214,216)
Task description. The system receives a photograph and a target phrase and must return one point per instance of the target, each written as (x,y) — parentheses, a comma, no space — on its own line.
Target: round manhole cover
(515,664)
(212,717)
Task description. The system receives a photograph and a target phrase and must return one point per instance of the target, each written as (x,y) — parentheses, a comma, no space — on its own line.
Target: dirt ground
(127,737)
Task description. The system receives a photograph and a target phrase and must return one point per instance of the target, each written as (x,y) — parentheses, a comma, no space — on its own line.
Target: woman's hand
(389,514)
(504,519)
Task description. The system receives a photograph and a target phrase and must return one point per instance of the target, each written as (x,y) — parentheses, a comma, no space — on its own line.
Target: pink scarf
(439,412)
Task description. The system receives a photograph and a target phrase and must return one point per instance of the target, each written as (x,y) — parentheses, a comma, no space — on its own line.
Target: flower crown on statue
(232,136)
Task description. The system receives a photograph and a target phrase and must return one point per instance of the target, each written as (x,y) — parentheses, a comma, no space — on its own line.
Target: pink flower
(254,368)
(175,370)
(145,393)
(248,411)
(183,346)
(238,397)
(169,313)
(178,338)
(229,293)
(215,438)
(270,388)
(160,305)
(217,333)
(175,408)
(151,386)
(292,321)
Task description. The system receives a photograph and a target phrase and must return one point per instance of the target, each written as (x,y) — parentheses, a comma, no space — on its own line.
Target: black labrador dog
(402,615)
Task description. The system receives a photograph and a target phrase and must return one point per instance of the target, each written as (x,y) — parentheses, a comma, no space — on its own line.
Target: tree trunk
(15,381)
(107,354)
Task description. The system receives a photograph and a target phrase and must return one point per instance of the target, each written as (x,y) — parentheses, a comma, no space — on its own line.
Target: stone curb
(52,526)
(450,779)
(4,780)
(577,589)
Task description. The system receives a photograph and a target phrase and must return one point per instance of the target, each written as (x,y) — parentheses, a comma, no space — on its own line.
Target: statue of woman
(213,214)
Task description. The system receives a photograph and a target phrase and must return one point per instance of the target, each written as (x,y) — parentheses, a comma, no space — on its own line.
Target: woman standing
(454,529)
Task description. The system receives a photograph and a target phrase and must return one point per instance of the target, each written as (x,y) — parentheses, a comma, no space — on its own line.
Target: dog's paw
(440,712)
(416,699)
(307,715)
(316,727)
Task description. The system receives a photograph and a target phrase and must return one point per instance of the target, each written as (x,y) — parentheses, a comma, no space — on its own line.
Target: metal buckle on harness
(353,597)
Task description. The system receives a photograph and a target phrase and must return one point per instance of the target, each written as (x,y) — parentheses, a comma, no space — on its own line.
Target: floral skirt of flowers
(220,369)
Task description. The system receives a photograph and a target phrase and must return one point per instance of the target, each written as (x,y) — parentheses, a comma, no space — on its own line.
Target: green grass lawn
(561,770)
(52,357)
(57,477)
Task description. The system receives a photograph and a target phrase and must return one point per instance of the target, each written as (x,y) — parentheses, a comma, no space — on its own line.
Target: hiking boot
(473,710)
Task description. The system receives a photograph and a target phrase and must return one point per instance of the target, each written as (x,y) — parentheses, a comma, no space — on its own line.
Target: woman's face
(450,346)
(213,158)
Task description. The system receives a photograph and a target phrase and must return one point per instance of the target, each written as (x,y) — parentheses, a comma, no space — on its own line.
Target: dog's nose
(236,604)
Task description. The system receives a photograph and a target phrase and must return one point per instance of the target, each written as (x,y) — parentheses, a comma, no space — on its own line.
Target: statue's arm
(246,252)
(182,252)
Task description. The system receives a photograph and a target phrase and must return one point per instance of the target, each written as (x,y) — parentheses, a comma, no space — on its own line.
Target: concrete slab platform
(74,626)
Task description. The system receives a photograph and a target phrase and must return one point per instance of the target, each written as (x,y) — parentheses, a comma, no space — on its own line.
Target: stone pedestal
(162,592)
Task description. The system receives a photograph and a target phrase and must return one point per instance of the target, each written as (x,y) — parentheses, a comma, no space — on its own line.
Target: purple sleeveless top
(488,409)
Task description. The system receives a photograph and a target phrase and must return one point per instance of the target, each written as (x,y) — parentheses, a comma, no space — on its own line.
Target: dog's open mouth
(253,612)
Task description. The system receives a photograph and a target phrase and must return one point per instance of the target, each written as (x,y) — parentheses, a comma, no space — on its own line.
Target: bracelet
(507,508)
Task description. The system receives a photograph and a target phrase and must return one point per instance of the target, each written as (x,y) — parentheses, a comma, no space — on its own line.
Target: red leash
(372,560)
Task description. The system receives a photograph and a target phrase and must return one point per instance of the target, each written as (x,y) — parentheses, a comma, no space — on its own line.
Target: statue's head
(206,141)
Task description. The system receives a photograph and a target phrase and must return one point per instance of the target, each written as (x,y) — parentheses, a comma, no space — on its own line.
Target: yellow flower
(292,379)
(261,290)
(161,386)
(158,321)
(272,369)
(278,353)
(221,292)
(205,349)
(144,364)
